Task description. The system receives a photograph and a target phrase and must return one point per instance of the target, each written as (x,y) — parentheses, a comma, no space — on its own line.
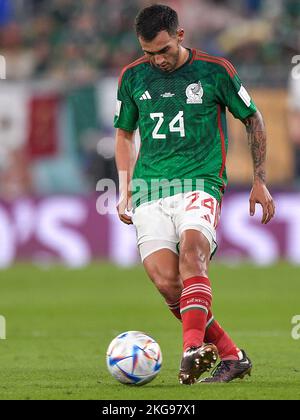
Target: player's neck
(183,57)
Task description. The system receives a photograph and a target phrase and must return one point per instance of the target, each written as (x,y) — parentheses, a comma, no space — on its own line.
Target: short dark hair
(154,19)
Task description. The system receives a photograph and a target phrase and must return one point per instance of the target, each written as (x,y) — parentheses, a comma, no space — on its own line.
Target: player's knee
(166,281)
(170,294)
(193,261)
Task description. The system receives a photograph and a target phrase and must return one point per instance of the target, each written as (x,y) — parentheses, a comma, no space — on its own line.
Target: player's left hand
(260,194)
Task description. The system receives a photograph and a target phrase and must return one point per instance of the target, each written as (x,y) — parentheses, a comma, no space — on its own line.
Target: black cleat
(195,362)
(229,370)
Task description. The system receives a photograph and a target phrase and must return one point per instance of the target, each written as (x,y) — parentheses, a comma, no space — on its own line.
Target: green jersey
(181,118)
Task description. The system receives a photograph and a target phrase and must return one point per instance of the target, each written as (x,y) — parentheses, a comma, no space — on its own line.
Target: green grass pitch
(60,322)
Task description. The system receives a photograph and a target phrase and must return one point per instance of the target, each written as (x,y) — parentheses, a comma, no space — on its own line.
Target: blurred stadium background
(57,101)
(57,104)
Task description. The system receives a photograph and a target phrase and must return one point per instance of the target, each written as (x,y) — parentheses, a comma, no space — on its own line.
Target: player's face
(163,50)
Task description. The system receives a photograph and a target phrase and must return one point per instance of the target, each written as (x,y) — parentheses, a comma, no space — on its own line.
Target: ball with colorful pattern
(134,358)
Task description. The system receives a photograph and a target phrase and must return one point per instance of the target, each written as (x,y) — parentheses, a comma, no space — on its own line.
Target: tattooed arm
(257,142)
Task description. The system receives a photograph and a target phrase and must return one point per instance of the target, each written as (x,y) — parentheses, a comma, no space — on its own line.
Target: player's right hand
(123,205)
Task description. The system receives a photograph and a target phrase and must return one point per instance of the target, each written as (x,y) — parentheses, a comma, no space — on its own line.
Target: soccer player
(177,97)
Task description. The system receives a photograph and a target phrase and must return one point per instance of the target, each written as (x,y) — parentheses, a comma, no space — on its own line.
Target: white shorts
(159,224)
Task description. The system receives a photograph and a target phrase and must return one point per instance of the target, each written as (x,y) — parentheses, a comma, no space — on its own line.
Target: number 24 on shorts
(209,203)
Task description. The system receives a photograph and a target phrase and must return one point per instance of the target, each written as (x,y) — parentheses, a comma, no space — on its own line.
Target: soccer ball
(134,358)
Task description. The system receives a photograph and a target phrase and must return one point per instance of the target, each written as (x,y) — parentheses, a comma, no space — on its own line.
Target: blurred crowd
(73,40)
(80,39)
(63,57)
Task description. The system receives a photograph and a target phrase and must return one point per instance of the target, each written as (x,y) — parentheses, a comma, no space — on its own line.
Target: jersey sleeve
(127,115)
(232,93)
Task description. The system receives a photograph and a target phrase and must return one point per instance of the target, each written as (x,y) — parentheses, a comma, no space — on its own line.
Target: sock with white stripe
(214,334)
(175,308)
(195,303)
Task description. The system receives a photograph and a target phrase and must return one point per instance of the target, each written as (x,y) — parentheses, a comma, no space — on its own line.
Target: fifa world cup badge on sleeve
(244,95)
(118,107)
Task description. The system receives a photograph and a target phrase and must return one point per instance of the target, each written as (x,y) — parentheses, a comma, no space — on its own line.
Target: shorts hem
(205,231)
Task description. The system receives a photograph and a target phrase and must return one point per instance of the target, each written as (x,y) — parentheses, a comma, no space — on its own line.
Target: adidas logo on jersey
(145,96)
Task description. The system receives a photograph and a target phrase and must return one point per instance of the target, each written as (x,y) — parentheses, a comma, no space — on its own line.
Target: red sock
(175,308)
(216,335)
(195,303)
